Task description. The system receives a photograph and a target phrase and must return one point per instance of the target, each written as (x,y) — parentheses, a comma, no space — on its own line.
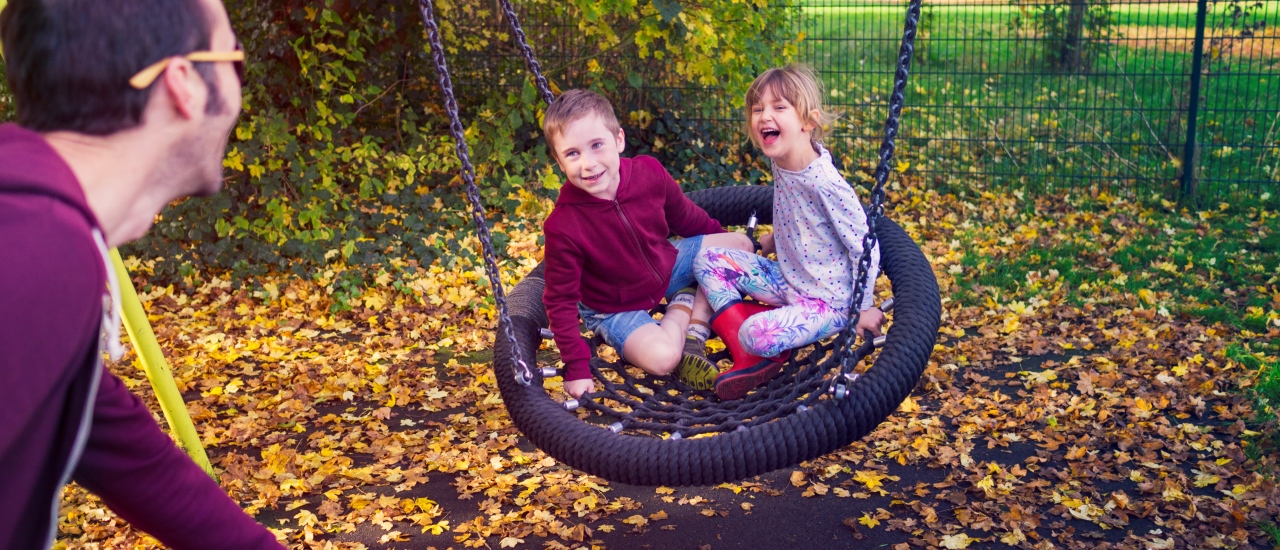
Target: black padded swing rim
(829,425)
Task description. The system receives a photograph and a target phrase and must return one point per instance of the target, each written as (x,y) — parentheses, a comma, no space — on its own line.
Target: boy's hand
(871,319)
(578,387)
(766,244)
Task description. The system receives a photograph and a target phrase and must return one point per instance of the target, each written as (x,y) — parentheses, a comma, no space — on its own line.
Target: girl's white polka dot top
(819,224)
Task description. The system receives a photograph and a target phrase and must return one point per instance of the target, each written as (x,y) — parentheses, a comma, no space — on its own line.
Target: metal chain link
(523,373)
(870,240)
(529,59)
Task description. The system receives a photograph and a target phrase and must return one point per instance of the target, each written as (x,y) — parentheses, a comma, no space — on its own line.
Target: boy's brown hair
(574,105)
(797,84)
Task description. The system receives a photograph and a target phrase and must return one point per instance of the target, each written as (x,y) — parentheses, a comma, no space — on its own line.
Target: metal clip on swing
(751,231)
(841,387)
(552,372)
(885,307)
(524,376)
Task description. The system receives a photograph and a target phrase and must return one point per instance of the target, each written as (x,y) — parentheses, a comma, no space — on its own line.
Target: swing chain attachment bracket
(841,388)
(751,231)
(524,376)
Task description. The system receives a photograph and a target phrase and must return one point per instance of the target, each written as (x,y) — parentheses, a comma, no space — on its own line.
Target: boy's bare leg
(701,308)
(657,348)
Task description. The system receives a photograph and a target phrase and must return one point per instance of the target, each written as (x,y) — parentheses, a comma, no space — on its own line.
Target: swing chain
(527,52)
(870,240)
(523,374)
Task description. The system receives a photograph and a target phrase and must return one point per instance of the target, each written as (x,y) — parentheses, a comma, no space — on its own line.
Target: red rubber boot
(748,370)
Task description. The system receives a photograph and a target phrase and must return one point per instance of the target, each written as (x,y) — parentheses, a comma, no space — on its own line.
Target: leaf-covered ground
(1105,378)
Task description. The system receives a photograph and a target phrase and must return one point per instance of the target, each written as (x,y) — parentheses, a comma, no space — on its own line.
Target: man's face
(209,144)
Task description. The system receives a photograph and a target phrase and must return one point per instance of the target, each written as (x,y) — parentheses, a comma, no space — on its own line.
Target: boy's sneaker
(695,369)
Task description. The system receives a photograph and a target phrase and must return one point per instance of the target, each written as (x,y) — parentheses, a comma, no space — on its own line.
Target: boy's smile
(780,132)
(588,154)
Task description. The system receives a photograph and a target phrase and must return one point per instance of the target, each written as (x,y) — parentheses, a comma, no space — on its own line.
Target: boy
(608,257)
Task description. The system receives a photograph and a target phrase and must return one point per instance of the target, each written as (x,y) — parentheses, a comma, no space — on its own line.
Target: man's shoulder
(49,248)
(31,171)
(53,272)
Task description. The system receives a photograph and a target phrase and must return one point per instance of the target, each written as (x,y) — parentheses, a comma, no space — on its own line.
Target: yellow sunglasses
(148,75)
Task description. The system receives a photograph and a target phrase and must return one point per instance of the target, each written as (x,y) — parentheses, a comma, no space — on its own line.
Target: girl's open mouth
(769,135)
(592,179)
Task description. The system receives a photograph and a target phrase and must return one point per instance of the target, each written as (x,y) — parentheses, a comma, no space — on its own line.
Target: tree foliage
(341,167)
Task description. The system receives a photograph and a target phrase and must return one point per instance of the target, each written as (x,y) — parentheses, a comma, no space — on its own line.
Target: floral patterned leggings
(727,274)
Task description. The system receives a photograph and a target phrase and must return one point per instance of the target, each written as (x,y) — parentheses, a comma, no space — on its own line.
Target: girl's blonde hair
(797,84)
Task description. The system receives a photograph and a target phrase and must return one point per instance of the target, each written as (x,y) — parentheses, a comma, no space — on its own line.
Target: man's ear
(622,140)
(181,85)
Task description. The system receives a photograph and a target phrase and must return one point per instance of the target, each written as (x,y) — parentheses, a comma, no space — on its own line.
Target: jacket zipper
(636,239)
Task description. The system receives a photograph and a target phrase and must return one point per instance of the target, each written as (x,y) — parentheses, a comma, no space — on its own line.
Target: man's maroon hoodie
(62,414)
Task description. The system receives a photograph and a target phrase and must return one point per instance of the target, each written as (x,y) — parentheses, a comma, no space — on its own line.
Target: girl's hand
(870,320)
(766,244)
(578,387)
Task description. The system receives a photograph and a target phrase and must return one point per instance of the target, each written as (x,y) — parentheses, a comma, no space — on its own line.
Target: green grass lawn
(983,99)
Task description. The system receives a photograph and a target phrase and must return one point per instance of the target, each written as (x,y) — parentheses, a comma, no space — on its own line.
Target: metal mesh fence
(1033,94)
(1069,94)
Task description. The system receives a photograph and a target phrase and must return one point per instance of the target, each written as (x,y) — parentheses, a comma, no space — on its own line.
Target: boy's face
(781,133)
(588,154)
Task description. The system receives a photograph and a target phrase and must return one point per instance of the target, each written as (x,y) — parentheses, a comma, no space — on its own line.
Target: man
(122,107)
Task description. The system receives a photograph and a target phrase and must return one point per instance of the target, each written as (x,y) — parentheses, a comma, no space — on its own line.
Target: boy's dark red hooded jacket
(614,255)
(62,414)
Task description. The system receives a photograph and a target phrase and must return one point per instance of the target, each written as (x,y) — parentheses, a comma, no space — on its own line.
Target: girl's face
(783,135)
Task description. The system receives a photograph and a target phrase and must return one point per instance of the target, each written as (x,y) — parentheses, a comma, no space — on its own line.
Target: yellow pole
(157,369)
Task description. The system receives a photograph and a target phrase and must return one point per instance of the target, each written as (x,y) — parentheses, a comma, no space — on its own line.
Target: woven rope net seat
(635,418)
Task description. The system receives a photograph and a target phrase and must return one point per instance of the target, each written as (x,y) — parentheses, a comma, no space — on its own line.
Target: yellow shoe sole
(697,372)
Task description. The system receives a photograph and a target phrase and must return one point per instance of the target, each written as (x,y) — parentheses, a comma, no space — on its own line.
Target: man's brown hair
(574,105)
(68,62)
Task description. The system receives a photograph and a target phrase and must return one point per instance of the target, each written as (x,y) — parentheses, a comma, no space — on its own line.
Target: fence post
(1193,107)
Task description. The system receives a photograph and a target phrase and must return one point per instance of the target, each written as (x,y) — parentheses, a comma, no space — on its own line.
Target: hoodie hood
(43,174)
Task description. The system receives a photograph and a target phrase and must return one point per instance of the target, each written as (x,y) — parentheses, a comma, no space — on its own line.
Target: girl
(819,223)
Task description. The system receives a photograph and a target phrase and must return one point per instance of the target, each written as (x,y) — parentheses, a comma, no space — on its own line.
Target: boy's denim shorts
(615,328)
